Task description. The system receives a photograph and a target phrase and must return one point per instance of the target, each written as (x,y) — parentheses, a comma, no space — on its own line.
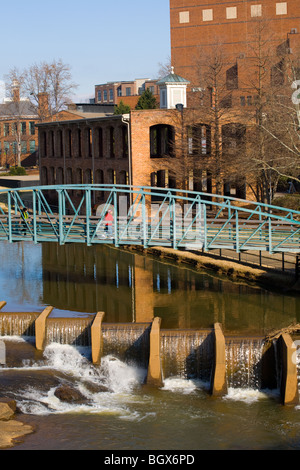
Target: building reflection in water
(131,287)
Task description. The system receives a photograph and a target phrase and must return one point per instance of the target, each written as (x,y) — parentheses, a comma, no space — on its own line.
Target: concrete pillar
(2,304)
(289,380)
(40,328)
(218,382)
(154,376)
(97,338)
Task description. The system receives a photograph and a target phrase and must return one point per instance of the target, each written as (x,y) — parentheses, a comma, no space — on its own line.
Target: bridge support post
(97,338)
(40,329)
(154,376)
(218,380)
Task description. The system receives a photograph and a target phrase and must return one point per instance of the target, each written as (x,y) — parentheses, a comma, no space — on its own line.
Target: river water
(119,412)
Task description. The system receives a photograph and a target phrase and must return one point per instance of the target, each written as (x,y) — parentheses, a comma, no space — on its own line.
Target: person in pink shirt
(108,222)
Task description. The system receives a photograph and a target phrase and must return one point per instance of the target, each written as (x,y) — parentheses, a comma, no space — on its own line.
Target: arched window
(123,177)
(99,134)
(59,176)
(111,175)
(99,178)
(79,176)
(69,176)
(88,176)
(199,140)
(44,175)
(112,150)
(162,141)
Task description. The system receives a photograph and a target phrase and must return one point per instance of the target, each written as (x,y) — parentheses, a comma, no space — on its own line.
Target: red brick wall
(235,35)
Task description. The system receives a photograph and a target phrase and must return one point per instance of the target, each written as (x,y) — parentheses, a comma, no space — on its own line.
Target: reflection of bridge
(148,217)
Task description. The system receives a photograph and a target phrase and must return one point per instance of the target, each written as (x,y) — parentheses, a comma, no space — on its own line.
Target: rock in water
(69,394)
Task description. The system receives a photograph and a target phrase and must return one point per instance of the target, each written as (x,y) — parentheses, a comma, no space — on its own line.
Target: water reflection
(131,287)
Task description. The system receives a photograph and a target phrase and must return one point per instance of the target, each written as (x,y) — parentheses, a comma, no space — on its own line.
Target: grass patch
(290,201)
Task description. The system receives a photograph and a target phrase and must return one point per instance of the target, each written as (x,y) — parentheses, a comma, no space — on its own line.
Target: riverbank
(269,278)
(11,430)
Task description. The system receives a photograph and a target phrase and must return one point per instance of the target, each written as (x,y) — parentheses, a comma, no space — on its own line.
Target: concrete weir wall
(97,338)
(218,380)
(289,379)
(148,340)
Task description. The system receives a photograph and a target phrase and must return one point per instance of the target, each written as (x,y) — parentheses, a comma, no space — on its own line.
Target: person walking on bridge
(24,218)
(108,222)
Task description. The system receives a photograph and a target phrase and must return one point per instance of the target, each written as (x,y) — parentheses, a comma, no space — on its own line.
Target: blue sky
(101,40)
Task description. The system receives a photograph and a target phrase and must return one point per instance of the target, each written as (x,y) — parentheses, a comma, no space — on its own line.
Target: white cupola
(172,91)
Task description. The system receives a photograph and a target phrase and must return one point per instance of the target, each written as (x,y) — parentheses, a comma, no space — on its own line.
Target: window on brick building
(23,128)
(31,128)
(24,147)
(112,142)
(111,175)
(104,95)
(199,140)
(231,13)
(184,17)
(100,142)
(233,137)
(256,11)
(232,79)
(128,91)
(99,96)
(6,130)
(32,146)
(111,94)
(79,141)
(281,8)
(162,140)
(89,138)
(278,73)
(69,176)
(207,15)
(123,177)
(124,142)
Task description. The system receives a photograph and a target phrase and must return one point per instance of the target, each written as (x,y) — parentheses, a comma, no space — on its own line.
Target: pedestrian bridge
(146,216)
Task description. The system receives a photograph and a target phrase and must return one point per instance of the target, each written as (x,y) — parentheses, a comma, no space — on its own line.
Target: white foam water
(249,395)
(71,366)
(184,386)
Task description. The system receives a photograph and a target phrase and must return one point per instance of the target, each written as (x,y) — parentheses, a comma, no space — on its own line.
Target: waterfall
(244,361)
(128,342)
(75,331)
(187,354)
(17,324)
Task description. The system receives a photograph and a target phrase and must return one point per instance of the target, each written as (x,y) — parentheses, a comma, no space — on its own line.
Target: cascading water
(244,361)
(17,324)
(76,331)
(187,354)
(128,342)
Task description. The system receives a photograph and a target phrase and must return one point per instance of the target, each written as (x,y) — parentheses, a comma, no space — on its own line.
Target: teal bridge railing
(146,216)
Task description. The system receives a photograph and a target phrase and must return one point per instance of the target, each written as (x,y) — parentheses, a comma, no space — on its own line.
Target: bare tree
(53,79)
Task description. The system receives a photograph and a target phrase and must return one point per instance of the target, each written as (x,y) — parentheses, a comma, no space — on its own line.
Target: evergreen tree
(122,108)
(146,101)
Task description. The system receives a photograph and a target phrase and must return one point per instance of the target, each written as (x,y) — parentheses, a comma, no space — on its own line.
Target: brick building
(157,147)
(176,146)
(126,91)
(18,133)
(197,27)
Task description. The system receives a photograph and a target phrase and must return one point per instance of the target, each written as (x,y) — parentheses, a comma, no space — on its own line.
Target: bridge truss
(146,216)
